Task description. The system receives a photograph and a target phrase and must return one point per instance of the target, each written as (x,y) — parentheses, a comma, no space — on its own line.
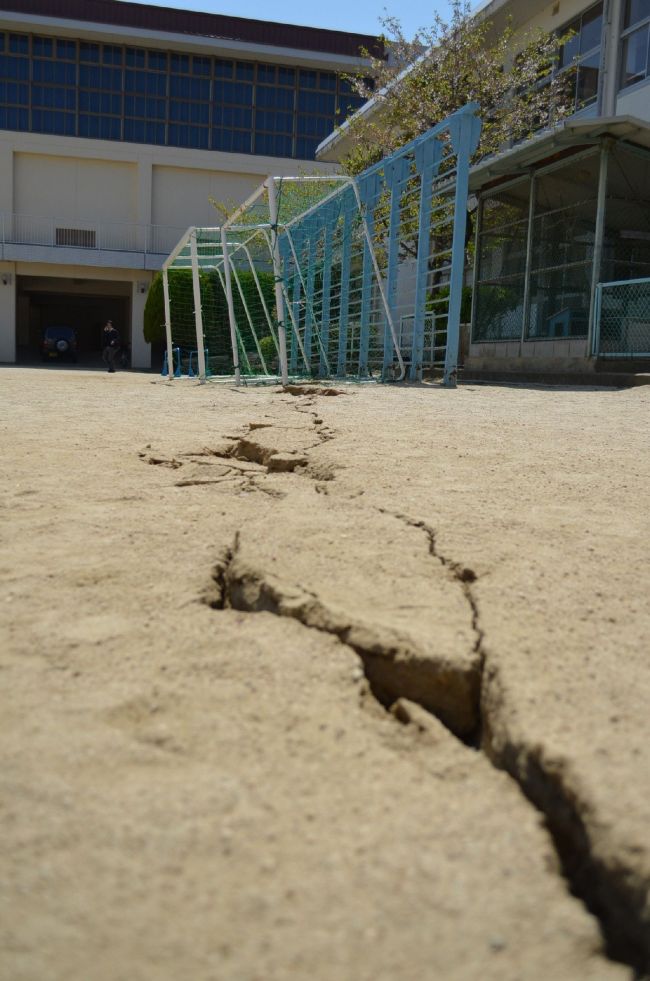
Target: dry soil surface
(332,687)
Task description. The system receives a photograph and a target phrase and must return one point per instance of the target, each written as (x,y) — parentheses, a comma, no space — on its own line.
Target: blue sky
(343,15)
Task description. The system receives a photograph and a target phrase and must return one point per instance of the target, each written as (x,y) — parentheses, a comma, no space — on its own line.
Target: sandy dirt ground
(340,688)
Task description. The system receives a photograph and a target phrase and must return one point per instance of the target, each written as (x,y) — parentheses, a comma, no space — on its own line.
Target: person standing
(110,345)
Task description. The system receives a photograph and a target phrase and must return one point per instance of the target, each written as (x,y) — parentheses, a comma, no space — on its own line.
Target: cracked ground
(347,688)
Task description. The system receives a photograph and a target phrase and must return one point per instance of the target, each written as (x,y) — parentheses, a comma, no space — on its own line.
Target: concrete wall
(181,196)
(635,101)
(7,311)
(73,188)
(565,355)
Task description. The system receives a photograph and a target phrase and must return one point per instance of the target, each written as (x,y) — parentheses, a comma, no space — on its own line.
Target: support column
(525,318)
(140,349)
(7,312)
(599,233)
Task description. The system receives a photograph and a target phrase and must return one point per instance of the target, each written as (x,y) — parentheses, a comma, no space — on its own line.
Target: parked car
(59,342)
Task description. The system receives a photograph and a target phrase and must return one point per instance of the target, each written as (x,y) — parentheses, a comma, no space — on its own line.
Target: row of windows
(142,131)
(87,53)
(580,56)
(636,42)
(112,92)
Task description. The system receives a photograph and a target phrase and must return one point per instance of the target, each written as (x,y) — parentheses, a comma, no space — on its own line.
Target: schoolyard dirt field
(331,687)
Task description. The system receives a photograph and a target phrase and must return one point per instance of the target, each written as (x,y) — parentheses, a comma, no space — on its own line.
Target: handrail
(90,235)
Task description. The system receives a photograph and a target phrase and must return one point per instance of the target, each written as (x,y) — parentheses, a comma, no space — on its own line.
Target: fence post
(396,172)
(465,132)
(168,324)
(277,275)
(231,307)
(427,161)
(198,312)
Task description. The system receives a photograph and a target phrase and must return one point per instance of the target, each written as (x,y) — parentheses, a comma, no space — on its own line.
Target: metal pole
(231,306)
(475,271)
(277,275)
(599,234)
(198,313)
(525,319)
(168,326)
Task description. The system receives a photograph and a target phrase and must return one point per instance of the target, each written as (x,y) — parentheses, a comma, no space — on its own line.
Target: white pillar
(7,312)
(198,309)
(140,350)
(231,309)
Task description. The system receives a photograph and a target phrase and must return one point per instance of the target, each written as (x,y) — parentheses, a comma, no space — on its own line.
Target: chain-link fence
(623,319)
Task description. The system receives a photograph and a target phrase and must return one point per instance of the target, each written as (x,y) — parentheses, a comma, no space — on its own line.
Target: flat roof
(571,134)
(154,19)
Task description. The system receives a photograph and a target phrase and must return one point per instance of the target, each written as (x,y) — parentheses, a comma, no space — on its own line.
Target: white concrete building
(119,123)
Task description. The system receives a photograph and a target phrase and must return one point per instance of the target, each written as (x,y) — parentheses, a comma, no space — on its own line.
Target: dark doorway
(39,308)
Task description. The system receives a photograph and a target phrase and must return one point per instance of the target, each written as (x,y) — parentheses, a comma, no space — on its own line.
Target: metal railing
(622,321)
(73,233)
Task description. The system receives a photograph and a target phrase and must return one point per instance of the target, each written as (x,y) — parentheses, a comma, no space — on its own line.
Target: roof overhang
(573,134)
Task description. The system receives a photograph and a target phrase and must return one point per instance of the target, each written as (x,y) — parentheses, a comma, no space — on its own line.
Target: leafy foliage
(450,64)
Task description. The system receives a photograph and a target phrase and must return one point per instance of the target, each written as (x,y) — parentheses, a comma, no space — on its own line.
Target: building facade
(561,222)
(120,125)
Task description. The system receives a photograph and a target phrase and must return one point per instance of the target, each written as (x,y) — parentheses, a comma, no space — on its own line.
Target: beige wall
(635,102)
(181,197)
(73,188)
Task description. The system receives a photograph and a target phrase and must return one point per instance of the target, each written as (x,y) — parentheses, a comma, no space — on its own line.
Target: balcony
(30,238)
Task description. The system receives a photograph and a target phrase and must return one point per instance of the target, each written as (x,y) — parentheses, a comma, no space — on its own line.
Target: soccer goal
(331,276)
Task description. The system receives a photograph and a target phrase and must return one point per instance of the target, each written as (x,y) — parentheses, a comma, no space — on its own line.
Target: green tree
(454,62)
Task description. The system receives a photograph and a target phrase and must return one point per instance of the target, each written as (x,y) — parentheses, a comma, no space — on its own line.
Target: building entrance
(44,303)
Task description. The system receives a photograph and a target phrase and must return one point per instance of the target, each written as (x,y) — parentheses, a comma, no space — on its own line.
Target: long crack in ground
(465,701)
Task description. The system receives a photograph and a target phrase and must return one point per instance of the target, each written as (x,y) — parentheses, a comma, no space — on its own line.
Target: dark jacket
(110,338)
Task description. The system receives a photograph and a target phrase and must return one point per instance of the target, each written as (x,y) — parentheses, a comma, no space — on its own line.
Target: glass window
(43,47)
(14,68)
(308,79)
(66,50)
(135,57)
(11,118)
(266,73)
(245,71)
(201,66)
(19,43)
(286,76)
(580,56)
(223,69)
(305,149)
(636,11)
(52,71)
(591,29)
(636,42)
(180,63)
(327,81)
(157,61)
(316,102)
(273,144)
(88,52)
(273,98)
(635,56)
(112,55)
(47,121)
(233,92)
(2,42)
(276,122)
